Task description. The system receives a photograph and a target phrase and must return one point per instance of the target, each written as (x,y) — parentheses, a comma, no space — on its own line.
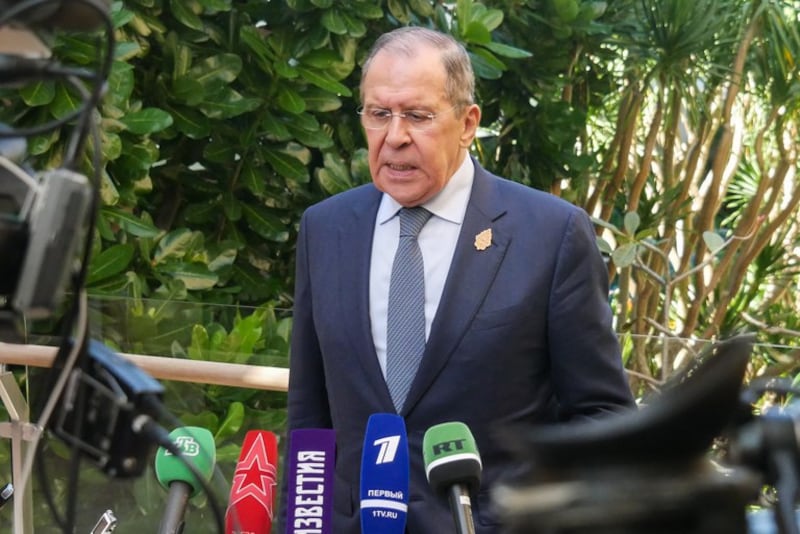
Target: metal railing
(22,432)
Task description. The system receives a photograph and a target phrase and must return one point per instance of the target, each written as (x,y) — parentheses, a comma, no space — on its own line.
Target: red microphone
(252,499)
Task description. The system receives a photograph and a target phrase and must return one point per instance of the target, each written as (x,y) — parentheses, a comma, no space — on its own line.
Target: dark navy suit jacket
(522,335)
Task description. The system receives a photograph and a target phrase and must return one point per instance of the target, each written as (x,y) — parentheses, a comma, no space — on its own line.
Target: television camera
(652,472)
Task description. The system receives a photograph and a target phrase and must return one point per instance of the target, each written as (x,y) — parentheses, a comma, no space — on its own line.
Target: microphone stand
(461,505)
(177,500)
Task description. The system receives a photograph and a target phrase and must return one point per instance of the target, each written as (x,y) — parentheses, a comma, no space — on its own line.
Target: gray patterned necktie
(405,332)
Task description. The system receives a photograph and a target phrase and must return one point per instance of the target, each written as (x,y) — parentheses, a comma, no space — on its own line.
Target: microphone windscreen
(197,448)
(451,456)
(252,498)
(312,461)
(384,475)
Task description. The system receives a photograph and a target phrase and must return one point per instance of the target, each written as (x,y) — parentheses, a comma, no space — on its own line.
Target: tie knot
(412,220)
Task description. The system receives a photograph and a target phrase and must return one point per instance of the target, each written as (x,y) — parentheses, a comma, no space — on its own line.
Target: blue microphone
(384,475)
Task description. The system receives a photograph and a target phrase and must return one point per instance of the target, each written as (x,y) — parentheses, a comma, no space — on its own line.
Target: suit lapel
(472,272)
(354,243)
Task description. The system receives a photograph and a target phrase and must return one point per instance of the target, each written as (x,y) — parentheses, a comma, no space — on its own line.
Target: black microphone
(453,466)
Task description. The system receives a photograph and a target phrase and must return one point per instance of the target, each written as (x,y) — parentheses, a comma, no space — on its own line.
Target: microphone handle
(461,505)
(177,499)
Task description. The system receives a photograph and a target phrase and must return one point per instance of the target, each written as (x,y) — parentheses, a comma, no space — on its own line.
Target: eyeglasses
(416,120)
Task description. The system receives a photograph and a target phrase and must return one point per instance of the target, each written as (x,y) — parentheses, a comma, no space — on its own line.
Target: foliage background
(673,122)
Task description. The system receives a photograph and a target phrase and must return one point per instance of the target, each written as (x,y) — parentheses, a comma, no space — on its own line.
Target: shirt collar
(449,204)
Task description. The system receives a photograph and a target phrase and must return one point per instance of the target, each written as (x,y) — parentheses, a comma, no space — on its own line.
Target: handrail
(182,370)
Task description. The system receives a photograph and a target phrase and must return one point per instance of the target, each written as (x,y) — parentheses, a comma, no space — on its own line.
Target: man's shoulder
(349,199)
(517,194)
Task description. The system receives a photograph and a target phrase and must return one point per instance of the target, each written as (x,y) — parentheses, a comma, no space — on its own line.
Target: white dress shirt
(437,241)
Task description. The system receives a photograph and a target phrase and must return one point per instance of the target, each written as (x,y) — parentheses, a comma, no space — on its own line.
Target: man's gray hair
(460,82)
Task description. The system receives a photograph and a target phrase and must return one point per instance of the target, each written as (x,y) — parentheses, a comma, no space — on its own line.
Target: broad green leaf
(188,91)
(625,255)
(566,10)
(491,19)
(131,223)
(265,223)
(220,150)
(39,144)
(486,65)
(228,104)
(202,212)
(109,193)
(231,206)
(605,224)
(713,241)
(421,7)
(320,59)
(181,10)
(399,10)
(112,146)
(316,138)
(286,69)
(355,26)
(64,102)
(371,10)
(318,100)
(173,245)
(254,39)
(120,18)
(631,222)
(289,100)
(334,178)
(216,6)
(38,94)
(334,22)
(222,68)
(204,419)
(603,245)
(146,121)
(475,32)
(507,51)
(113,286)
(286,165)
(234,418)
(195,276)
(464,11)
(75,49)
(120,84)
(142,154)
(276,127)
(182,58)
(190,122)
(324,81)
(253,179)
(113,260)
(225,256)
(127,51)
(200,343)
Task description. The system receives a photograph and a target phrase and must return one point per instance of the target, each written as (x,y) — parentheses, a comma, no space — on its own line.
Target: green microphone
(453,466)
(192,455)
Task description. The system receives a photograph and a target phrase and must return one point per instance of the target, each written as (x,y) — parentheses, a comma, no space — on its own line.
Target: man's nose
(397,132)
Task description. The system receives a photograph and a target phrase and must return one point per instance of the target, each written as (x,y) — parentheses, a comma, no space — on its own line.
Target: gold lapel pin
(484,239)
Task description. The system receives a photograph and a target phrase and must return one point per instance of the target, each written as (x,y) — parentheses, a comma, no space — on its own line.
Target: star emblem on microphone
(255,477)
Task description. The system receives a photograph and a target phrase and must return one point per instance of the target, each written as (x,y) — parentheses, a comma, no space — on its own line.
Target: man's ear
(471,121)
